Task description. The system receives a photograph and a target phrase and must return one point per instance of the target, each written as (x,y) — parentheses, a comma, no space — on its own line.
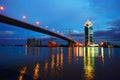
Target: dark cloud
(115,24)
(77,34)
(113,33)
(109,34)
(6,33)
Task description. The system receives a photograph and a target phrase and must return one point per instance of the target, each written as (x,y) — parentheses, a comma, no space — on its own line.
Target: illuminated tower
(88,33)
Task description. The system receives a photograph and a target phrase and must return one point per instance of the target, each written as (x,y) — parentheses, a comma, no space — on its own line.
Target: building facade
(31,42)
(88,33)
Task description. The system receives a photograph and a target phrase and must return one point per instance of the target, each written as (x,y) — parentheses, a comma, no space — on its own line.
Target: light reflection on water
(22,72)
(57,62)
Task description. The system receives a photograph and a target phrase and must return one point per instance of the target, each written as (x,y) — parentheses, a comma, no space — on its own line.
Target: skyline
(62,16)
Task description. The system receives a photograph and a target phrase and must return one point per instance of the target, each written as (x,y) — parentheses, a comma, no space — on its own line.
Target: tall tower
(88,33)
(69,34)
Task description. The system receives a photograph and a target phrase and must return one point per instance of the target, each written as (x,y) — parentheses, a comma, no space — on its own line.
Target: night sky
(62,15)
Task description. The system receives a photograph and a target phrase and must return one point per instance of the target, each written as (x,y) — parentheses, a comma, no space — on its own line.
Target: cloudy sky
(62,15)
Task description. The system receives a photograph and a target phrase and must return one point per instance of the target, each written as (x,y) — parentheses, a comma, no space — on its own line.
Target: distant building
(33,42)
(105,44)
(88,33)
(38,42)
(30,42)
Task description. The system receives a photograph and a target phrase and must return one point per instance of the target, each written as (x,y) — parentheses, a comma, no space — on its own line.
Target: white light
(1,8)
(23,17)
(37,22)
(88,23)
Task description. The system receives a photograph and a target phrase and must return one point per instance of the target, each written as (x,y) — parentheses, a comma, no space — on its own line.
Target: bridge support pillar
(70,44)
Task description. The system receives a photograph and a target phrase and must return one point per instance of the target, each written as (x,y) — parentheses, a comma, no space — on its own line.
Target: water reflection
(78,53)
(89,54)
(54,64)
(22,73)
(45,69)
(69,55)
(61,58)
(36,71)
(110,52)
(102,54)
(56,60)
(32,51)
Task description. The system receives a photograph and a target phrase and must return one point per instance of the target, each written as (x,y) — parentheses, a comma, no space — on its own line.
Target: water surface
(61,63)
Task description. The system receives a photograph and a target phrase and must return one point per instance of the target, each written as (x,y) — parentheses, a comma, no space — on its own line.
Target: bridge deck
(17,23)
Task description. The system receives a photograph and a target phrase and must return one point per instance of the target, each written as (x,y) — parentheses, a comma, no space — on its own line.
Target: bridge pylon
(70,44)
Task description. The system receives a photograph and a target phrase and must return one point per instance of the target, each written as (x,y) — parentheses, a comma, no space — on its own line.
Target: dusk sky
(62,15)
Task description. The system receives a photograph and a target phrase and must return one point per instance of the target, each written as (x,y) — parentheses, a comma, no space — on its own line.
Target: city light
(1,8)
(101,43)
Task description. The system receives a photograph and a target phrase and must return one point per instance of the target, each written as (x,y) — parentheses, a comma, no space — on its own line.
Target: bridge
(17,23)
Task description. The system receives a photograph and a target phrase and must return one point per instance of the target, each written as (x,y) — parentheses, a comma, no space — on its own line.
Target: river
(59,63)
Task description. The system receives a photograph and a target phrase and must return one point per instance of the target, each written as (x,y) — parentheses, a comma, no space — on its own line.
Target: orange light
(57,60)
(1,8)
(23,17)
(36,72)
(46,65)
(37,22)
(69,55)
(23,71)
(20,77)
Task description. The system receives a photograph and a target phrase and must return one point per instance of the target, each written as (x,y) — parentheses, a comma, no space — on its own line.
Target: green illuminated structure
(88,33)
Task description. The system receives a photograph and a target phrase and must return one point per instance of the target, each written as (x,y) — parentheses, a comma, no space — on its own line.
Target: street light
(23,17)
(1,8)
(37,22)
